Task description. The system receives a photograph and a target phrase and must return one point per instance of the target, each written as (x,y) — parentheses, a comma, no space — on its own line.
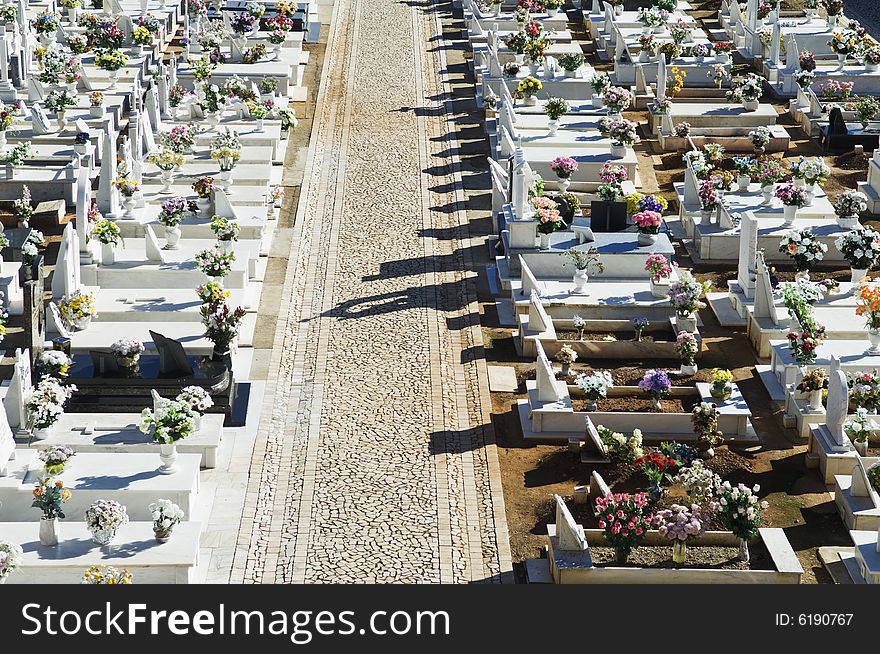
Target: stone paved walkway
(372,463)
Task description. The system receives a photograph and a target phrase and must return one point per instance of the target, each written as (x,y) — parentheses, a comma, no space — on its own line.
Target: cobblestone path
(372,463)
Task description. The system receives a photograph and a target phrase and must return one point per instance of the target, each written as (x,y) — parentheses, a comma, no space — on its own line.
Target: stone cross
(748,247)
(838,402)
(19,387)
(549,390)
(570,534)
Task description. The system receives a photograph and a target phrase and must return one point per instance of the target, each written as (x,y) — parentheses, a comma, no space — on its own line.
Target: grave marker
(570,534)
(549,390)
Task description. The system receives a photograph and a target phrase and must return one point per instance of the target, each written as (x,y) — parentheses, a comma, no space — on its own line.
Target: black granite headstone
(103,362)
(172,357)
(836,123)
(607,216)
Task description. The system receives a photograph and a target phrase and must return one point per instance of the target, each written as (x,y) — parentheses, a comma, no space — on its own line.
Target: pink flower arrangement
(612,174)
(791,195)
(682,129)
(658,266)
(533,28)
(709,197)
(625,519)
(833,89)
(564,167)
(648,222)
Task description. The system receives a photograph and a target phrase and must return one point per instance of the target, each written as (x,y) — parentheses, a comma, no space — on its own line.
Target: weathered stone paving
(372,463)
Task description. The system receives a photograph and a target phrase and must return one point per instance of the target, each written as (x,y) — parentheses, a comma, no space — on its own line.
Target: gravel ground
(723,558)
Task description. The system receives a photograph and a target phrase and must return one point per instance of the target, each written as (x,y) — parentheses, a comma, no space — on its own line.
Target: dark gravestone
(34,309)
(607,216)
(836,124)
(837,138)
(104,362)
(172,357)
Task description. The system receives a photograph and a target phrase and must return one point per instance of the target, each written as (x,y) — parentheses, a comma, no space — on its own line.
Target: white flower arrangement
(860,247)
(196,397)
(698,481)
(45,402)
(106,515)
(166,515)
(11,557)
(566,355)
(170,422)
(596,384)
(54,363)
(859,426)
(126,347)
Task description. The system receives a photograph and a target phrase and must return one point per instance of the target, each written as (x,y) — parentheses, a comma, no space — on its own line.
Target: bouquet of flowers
(678,523)
(864,389)
(685,294)
(868,304)
(170,422)
(834,89)
(173,211)
(111,60)
(255,9)
(647,222)
(555,108)
(699,482)
(212,293)
(661,105)
(815,380)
(866,109)
(564,167)
(570,61)
(177,94)
(656,384)
(799,297)
(686,347)
(860,247)
(215,263)
(141,36)
(739,508)
(126,186)
(46,22)
(201,68)
(791,195)
(243,24)
(767,172)
(204,186)
(59,100)
(722,47)
(106,515)
(11,557)
(529,86)
(585,259)
(225,229)
(656,467)
(760,137)
(622,131)
(850,203)
(45,402)
(196,398)
(107,574)
(126,347)
(803,345)
(54,363)
(652,17)
(280,22)
(747,88)
(680,31)
(80,304)
(682,129)
(844,43)
(658,267)
(49,497)
(547,213)
(833,7)
(620,447)
(107,232)
(222,324)
(860,426)
(166,515)
(709,198)
(699,51)
(599,82)
(803,247)
(566,356)
(179,139)
(516,42)
(595,385)
(618,99)
(625,519)
(55,457)
(166,159)
(804,78)
(536,47)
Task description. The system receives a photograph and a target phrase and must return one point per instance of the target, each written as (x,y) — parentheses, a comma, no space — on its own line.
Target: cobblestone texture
(372,463)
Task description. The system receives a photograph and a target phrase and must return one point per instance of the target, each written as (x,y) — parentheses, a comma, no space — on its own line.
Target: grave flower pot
(62,120)
(552,11)
(552,127)
(96,111)
(686,323)
(661,288)
(848,221)
(767,191)
(647,239)
(618,150)
(545,241)
(162,535)
(168,456)
(855,275)
(50,532)
(203,204)
(41,433)
(114,78)
(688,370)
(564,183)
(571,73)
(722,58)
(128,362)
(802,275)
(103,536)
(172,238)
(597,101)
(71,86)
(225,246)
(259,128)
(533,69)
(72,14)
(679,551)
(799,182)
(129,203)
(861,447)
(2,140)
(167,181)
(742,183)
(54,469)
(721,393)
(841,60)
(518,59)
(580,282)
(108,254)
(530,101)
(80,148)
(644,57)
(874,338)
(750,105)
(789,214)
(744,550)
(706,217)
(82,323)
(815,401)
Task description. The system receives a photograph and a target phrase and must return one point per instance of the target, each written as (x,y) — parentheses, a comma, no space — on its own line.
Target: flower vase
(688,370)
(552,11)
(597,101)
(167,181)
(686,323)
(618,150)
(722,58)
(62,121)
(591,405)
(2,140)
(564,183)
(706,217)
(82,323)
(644,57)
(50,531)
(767,192)
(571,74)
(856,274)
(871,68)
(744,550)
(659,288)
(259,128)
(41,433)
(103,537)
(618,10)
(533,69)
(861,447)
(679,551)
(848,222)
(789,214)
(225,178)
(545,241)
(621,555)
(530,101)
(565,371)
(225,246)
(580,282)
(874,338)
(172,238)
(203,204)
(722,394)
(162,535)
(750,105)
(742,183)
(108,254)
(168,456)
(518,59)
(72,14)
(96,111)
(128,362)
(114,78)
(802,275)
(552,127)
(841,61)
(647,239)
(815,402)
(655,404)
(55,469)
(129,203)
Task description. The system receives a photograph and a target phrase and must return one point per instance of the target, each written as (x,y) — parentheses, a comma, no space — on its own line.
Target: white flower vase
(660,289)
(108,254)
(688,370)
(552,127)
(686,323)
(129,203)
(861,447)
(197,422)
(832,21)
(618,150)
(598,101)
(260,127)
(551,11)
(96,111)
(518,59)
(545,241)
(571,74)
(168,456)
(706,217)
(564,183)
(848,222)
(802,275)
(62,121)
(767,192)
(530,101)
(172,238)
(789,214)
(73,14)
(722,58)
(114,78)
(742,183)
(82,323)
(580,282)
(167,181)
(841,61)
(647,239)
(2,140)
(50,532)
(618,10)
(750,105)
(799,182)
(41,433)
(874,338)
(225,179)
(103,537)
(644,57)
(533,69)
(815,402)
(855,275)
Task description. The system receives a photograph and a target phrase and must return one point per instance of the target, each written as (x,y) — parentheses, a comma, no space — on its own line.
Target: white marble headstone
(529,282)
(765,306)
(223,207)
(748,247)
(549,390)
(838,402)
(154,251)
(55,323)
(19,387)
(539,321)
(570,534)
(39,120)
